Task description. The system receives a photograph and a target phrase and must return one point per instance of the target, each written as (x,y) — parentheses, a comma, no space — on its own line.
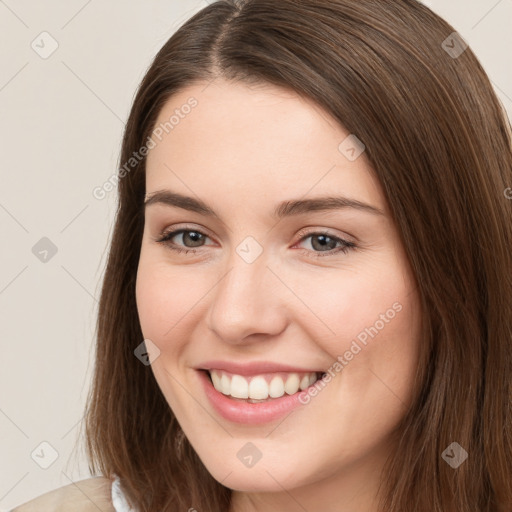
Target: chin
(265,479)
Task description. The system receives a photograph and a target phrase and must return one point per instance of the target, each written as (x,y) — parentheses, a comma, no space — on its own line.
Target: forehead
(253,142)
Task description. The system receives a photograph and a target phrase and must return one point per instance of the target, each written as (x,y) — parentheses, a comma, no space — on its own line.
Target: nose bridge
(246,299)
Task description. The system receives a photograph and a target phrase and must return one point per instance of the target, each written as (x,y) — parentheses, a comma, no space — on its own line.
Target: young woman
(308,298)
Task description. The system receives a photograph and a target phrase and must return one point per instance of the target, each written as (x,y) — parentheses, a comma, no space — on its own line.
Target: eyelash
(346,246)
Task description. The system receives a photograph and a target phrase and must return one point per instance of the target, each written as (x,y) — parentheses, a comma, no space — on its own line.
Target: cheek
(377,339)
(344,305)
(369,322)
(168,302)
(153,299)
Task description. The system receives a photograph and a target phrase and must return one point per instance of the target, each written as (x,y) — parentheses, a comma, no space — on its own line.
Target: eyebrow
(284,209)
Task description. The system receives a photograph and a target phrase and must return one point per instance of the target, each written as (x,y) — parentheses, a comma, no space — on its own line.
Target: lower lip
(245,412)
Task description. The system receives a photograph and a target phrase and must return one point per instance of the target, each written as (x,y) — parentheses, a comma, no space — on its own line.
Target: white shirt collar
(118,498)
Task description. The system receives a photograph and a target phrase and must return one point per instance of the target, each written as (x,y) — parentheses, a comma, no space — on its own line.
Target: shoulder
(89,495)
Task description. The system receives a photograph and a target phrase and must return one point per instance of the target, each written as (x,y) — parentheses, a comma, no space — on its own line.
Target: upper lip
(252,368)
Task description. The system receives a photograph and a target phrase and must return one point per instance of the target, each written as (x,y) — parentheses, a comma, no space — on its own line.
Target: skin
(242,150)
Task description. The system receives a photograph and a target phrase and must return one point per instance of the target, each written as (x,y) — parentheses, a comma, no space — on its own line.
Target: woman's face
(279,283)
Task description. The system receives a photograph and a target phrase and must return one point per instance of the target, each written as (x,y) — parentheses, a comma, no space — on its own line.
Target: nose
(248,302)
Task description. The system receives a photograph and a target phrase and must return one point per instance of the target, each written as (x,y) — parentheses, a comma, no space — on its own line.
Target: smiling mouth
(261,388)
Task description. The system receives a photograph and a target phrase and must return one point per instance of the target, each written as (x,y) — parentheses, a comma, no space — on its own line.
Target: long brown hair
(439,143)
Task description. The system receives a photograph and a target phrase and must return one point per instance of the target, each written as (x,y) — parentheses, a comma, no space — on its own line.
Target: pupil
(194,235)
(323,240)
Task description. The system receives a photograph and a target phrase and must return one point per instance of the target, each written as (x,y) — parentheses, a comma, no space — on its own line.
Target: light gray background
(60,130)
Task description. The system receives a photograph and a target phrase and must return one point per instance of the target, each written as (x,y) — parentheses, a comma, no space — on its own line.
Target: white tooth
(225,384)
(239,387)
(216,380)
(276,388)
(258,388)
(304,383)
(292,384)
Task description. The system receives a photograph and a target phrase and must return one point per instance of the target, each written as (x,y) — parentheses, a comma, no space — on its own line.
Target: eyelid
(308,231)
(185,227)
(301,234)
(346,244)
